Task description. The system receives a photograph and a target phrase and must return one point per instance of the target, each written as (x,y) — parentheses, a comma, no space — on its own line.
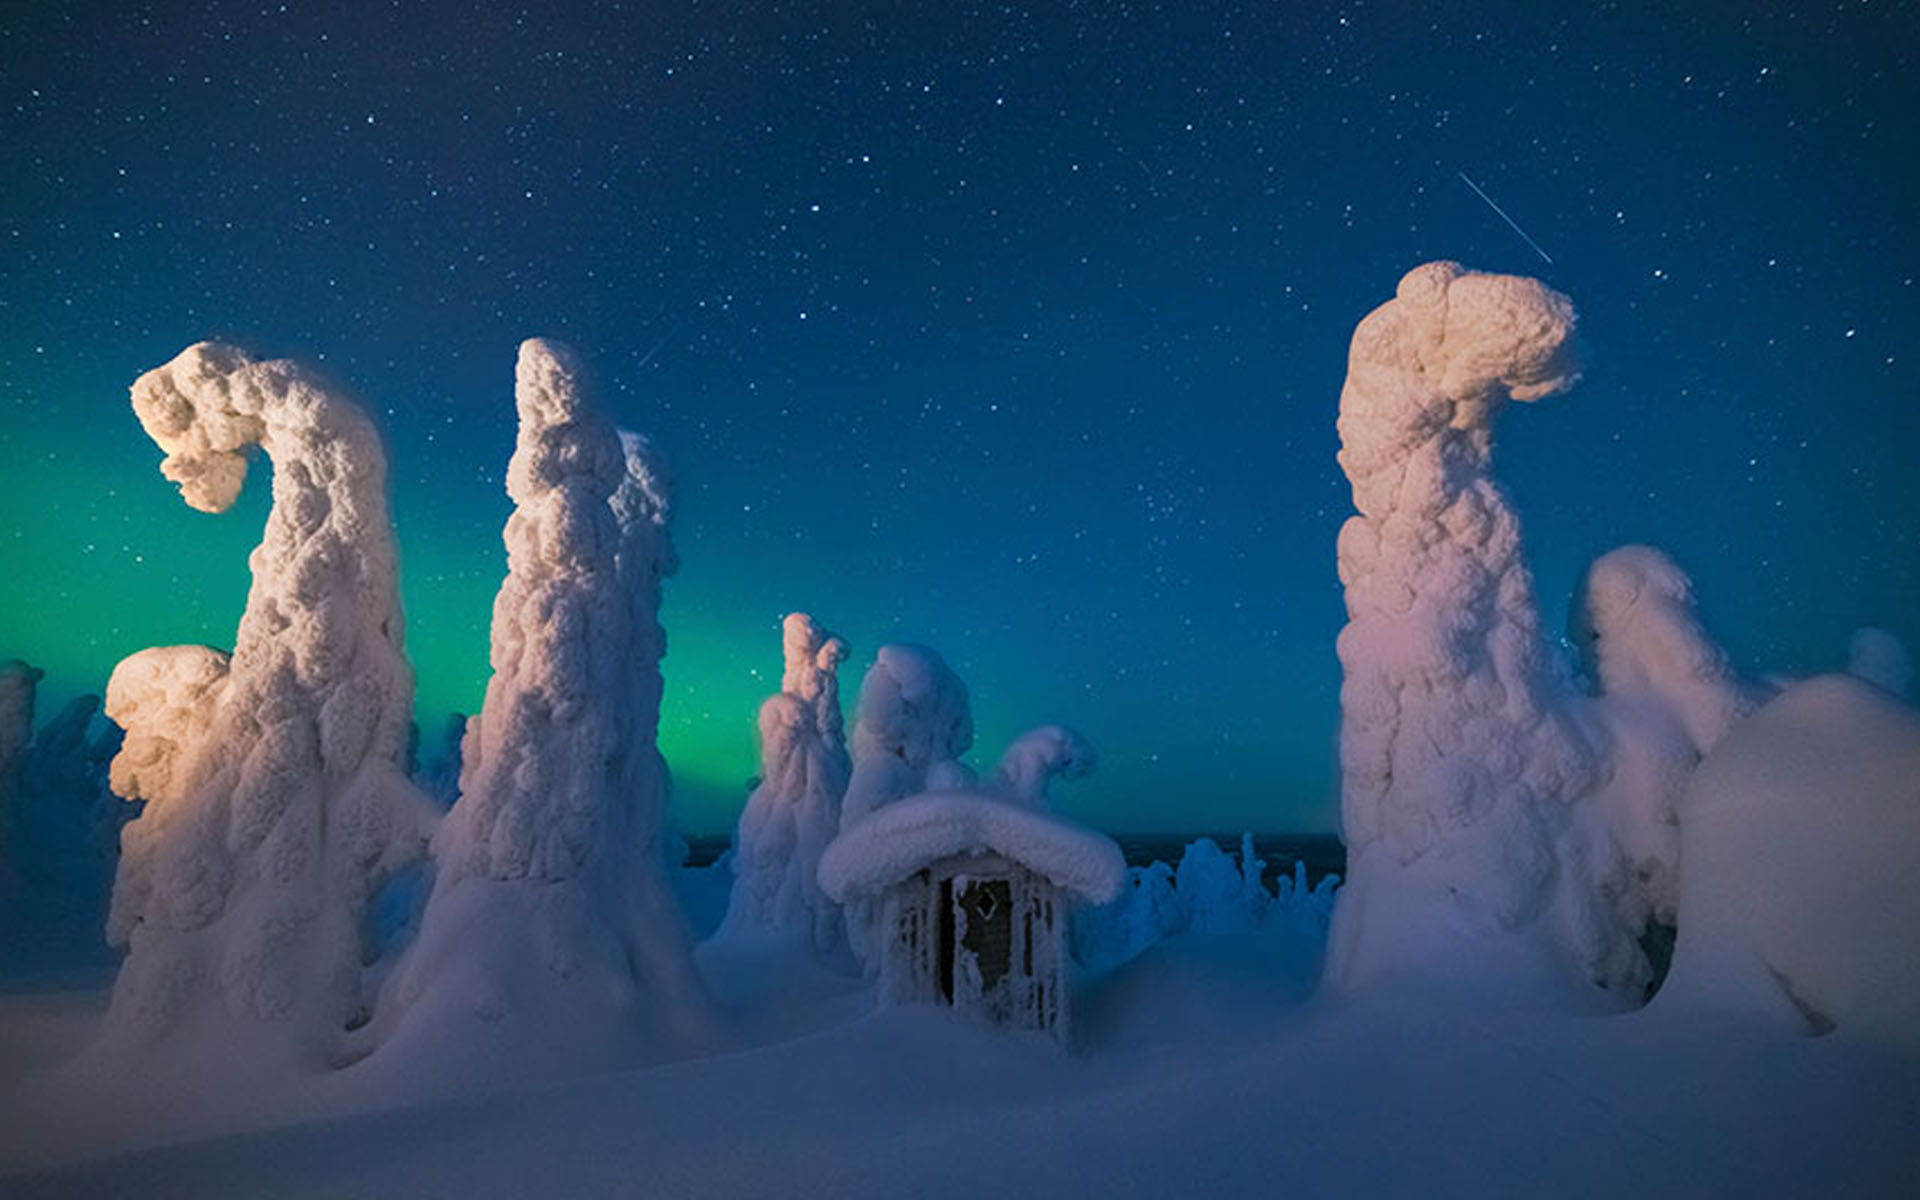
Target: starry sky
(1014,330)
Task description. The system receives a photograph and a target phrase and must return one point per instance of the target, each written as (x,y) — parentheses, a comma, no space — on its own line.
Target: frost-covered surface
(276,798)
(551,936)
(795,810)
(1208,893)
(912,724)
(1881,659)
(1800,898)
(1032,761)
(900,839)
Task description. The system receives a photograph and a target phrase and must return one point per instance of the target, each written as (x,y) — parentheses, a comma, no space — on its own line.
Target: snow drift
(276,798)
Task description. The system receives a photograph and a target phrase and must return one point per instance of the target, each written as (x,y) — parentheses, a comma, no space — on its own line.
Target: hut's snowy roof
(901,838)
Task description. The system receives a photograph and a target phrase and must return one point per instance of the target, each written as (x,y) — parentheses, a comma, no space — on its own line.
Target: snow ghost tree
(795,810)
(1460,760)
(1638,633)
(274,780)
(550,920)
(1668,695)
(1032,761)
(912,725)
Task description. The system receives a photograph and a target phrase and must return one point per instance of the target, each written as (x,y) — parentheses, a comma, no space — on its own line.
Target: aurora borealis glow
(1016,333)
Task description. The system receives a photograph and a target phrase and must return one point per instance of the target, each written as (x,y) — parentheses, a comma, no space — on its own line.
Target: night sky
(1015,331)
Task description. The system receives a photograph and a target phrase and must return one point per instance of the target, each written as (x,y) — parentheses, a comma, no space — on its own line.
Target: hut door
(983,909)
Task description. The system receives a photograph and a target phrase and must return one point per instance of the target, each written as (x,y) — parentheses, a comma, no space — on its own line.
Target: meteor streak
(1504,217)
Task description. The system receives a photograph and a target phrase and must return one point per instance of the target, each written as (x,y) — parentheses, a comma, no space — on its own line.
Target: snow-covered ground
(1207,1067)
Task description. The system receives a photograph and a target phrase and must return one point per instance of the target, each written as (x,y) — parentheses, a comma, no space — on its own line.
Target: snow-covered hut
(973,894)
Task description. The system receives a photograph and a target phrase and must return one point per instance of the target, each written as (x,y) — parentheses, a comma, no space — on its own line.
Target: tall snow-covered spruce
(1462,759)
(274,779)
(795,810)
(550,937)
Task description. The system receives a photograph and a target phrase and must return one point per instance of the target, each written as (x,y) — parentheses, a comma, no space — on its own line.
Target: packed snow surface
(903,837)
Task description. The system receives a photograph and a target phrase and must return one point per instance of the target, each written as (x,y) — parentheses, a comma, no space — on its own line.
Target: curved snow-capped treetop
(1881,659)
(1638,631)
(912,725)
(795,810)
(550,920)
(921,830)
(1032,761)
(812,659)
(1459,756)
(275,779)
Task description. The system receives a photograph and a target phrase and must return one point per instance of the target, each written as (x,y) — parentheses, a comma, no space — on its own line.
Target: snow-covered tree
(274,779)
(1668,695)
(550,921)
(1460,757)
(911,726)
(1034,759)
(795,810)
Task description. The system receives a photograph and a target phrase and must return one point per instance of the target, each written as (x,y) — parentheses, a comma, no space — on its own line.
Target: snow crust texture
(550,902)
(276,797)
(1460,759)
(794,812)
(900,839)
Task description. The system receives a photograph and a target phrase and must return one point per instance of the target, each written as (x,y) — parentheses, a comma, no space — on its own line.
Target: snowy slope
(1269,1094)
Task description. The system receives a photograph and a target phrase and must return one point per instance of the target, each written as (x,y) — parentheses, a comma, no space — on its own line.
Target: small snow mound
(901,838)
